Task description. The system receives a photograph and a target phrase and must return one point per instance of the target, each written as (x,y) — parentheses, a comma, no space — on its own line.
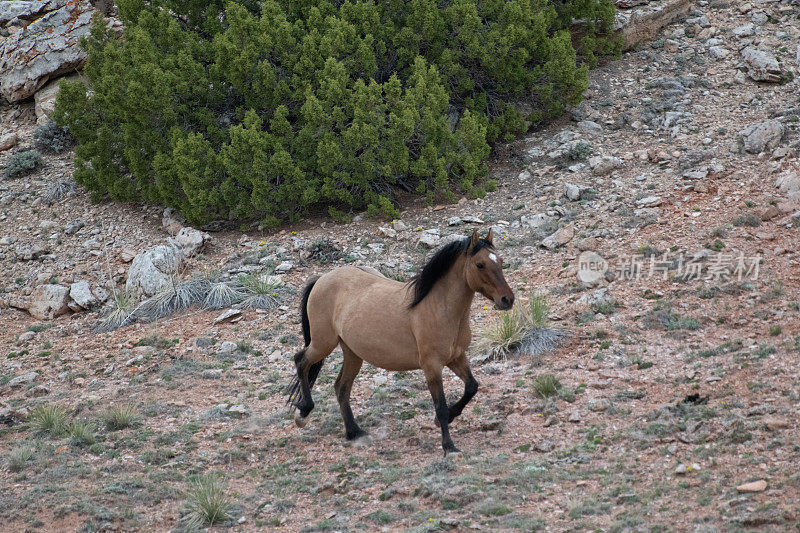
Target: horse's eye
(480,265)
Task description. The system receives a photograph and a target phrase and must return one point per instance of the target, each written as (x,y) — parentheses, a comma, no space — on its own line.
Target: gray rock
(226,347)
(399,225)
(429,238)
(561,237)
(27,336)
(761,65)
(154,269)
(604,164)
(789,184)
(762,136)
(191,240)
(43,49)
(575,417)
(49,301)
(8,140)
(748,30)
(590,127)
(649,201)
(203,342)
(718,52)
(284,266)
(82,295)
(535,221)
(24,379)
(575,192)
(238,410)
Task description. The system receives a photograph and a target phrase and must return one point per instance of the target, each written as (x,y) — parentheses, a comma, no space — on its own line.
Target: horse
(421,324)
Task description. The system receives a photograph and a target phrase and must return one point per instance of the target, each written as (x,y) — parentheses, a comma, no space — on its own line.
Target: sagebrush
(268,109)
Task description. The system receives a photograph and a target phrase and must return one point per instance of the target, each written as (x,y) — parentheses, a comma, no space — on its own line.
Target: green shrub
(268,109)
(22,163)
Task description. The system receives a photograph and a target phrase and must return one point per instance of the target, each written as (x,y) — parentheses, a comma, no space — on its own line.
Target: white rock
(535,221)
(226,347)
(284,266)
(761,65)
(763,136)
(45,48)
(24,379)
(561,237)
(429,238)
(82,295)
(590,127)
(604,164)
(191,240)
(154,269)
(49,301)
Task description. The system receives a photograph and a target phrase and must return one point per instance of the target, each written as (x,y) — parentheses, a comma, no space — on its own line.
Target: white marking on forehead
(493,257)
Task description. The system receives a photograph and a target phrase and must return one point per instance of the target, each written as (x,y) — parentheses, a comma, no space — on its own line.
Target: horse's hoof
(299,420)
(362,440)
(453,453)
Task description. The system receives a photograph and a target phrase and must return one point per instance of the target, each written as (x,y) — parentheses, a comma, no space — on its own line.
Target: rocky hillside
(672,402)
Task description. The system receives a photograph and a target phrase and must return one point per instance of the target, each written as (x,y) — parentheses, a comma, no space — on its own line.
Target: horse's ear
(490,236)
(473,241)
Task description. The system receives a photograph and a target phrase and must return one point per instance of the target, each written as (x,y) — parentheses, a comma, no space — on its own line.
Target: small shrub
(122,417)
(546,385)
(747,219)
(18,458)
(522,330)
(206,503)
(22,163)
(82,432)
(222,294)
(263,289)
(58,190)
(50,419)
(121,313)
(579,151)
(324,251)
(775,330)
(52,138)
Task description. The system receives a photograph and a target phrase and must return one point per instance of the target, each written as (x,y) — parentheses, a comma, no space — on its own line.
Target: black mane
(440,264)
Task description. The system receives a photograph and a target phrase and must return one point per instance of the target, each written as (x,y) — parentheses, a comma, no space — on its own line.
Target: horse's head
(484,271)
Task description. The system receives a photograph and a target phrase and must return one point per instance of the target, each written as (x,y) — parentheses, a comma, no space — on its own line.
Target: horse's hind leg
(343,386)
(460,368)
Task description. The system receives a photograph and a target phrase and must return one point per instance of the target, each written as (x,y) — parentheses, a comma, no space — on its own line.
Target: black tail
(313,372)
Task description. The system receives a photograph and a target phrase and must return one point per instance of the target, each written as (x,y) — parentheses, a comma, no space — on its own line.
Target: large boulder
(43,43)
(761,65)
(154,269)
(762,136)
(49,301)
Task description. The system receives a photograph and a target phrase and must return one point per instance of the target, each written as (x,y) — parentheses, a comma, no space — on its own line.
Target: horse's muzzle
(505,303)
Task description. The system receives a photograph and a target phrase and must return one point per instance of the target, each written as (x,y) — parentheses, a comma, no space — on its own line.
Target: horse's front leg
(433,376)
(460,368)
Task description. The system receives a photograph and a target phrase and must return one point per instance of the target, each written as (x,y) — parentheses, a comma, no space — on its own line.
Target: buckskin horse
(422,324)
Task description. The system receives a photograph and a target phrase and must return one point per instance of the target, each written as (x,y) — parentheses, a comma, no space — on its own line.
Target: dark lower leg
(442,413)
(470,388)
(352,431)
(306,405)
(351,365)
